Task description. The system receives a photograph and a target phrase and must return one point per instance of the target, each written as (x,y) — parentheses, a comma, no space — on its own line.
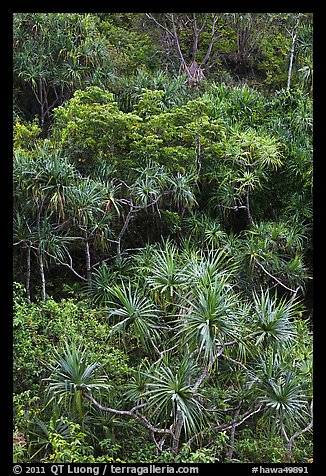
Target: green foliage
(264,449)
(171,220)
(278,247)
(201,455)
(169,396)
(209,318)
(129,45)
(136,310)
(71,375)
(102,281)
(282,393)
(39,326)
(162,238)
(61,53)
(73,448)
(165,277)
(73,451)
(110,132)
(273,319)
(26,135)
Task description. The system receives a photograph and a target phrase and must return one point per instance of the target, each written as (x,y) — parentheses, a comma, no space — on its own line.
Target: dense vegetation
(162,237)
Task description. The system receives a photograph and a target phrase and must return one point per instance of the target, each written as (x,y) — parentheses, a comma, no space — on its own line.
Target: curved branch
(176,37)
(150,16)
(211,42)
(289,441)
(275,279)
(307,428)
(130,413)
(62,263)
(226,426)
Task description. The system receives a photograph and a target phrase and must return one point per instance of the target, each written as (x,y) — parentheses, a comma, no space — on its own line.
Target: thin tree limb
(159,24)
(273,277)
(130,413)
(231,442)
(226,426)
(215,18)
(176,37)
(62,263)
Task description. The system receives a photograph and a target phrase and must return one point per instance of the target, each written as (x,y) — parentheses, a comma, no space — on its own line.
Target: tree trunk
(195,73)
(40,255)
(88,262)
(124,228)
(177,433)
(251,221)
(42,275)
(198,154)
(294,37)
(229,453)
(28,273)
(291,62)
(41,101)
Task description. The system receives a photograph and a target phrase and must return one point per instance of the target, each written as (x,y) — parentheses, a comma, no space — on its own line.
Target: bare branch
(150,16)
(70,266)
(275,279)
(201,378)
(196,37)
(133,209)
(235,362)
(19,242)
(130,413)
(176,37)
(124,228)
(289,441)
(211,42)
(226,426)
(307,428)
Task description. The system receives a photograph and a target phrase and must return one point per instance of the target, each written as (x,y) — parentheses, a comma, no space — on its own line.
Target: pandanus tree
(168,394)
(248,340)
(101,284)
(300,59)
(24,236)
(50,246)
(208,319)
(27,218)
(86,206)
(27,187)
(54,54)
(275,252)
(71,375)
(165,277)
(182,191)
(248,158)
(172,399)
(273,319)
(287,406)
(136,311)
(54,175)
(42,178)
